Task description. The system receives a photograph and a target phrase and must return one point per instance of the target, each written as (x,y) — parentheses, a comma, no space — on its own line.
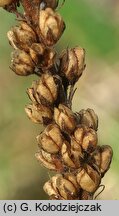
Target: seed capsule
(46,159)
(22,36)
(86,137)
(42,56)
(106,158)
(67,156)
(65,118)
(63,188)
(21,63)
(102,158)
(51,139)
(89,118)
(39,113)
(44,91)
(88,179)
(51,26)
(71,154)
(72,63)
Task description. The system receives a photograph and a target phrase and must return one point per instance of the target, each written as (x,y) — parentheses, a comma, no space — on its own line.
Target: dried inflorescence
(69,142)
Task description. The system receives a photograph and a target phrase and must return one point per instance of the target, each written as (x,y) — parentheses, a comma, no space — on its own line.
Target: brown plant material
(89,118)
(72,63)
(22,63)
(51,139)
(42,56)
(44,91)
(65,118)
(88,179)
(39,113)
(5,2)
(86,137)
(22,36)
(51,26)
(69,144)
(102,158)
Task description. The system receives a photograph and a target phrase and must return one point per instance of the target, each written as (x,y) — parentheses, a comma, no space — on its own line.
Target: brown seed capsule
(67,156)
(65,118)
(39,113)
(72,63)
(76,151)
(86,137)
(22,36)
(51,26)
(5,2)
(51,139)
(89,118)
(63,188)
(46,159)
(102,158)
(22,63)
(42,56)
(47,90)
(106,158)
(88,179)
(51,189)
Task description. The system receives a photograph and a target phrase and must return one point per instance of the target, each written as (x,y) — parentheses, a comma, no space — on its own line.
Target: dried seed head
(3,3)
(65,118)
(88,179)
(22,63)
(51,26)
(89,118)
(86,137)
(47,90)
(63,188)
(39,113)
(49,4)
(72,63)
(51,139)
(42,56)
(22,36)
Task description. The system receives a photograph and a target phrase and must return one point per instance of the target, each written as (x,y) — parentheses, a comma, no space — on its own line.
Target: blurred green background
(94,25)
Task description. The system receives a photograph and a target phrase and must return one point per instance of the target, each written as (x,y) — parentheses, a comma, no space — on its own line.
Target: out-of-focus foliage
(93,26)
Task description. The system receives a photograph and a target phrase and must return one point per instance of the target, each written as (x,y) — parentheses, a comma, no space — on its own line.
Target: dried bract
(51,26)
(65,118)
(72,63)
(22,63)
